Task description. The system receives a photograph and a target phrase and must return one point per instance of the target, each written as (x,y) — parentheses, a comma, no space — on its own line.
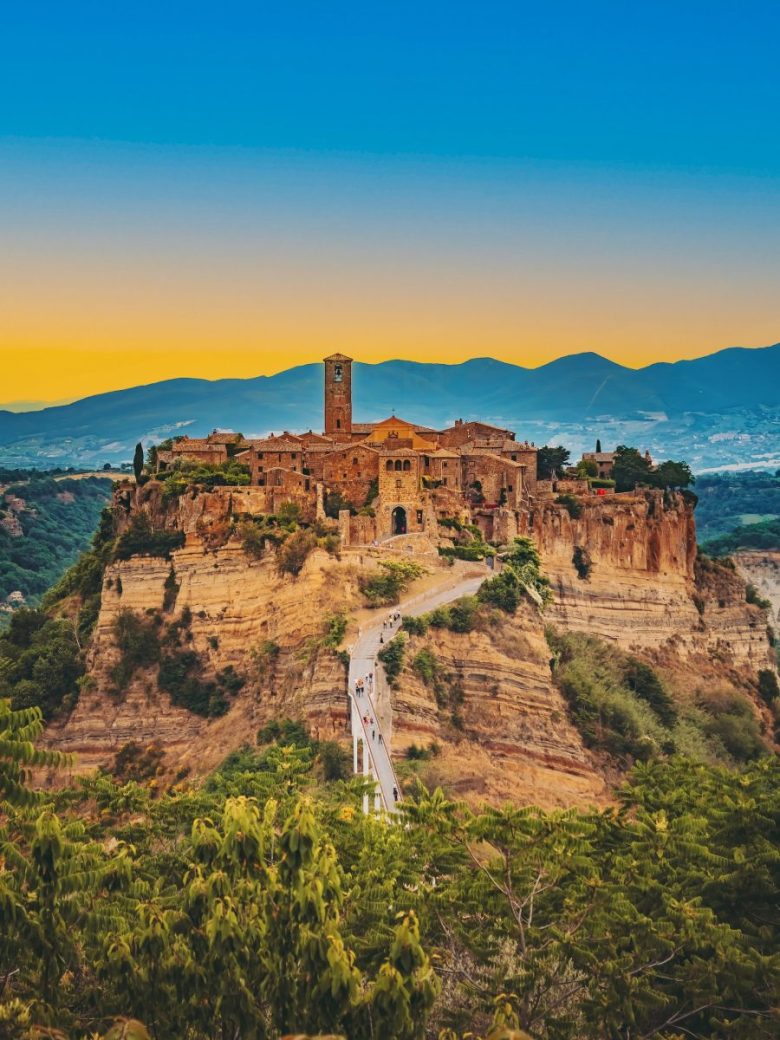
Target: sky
(203,189)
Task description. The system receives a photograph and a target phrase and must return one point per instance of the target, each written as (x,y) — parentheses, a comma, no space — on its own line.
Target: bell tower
(338,396)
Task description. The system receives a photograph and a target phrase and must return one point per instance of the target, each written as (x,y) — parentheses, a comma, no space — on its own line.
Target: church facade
(383,479)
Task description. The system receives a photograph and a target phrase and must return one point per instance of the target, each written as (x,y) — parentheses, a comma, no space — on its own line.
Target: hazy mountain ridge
(716,410)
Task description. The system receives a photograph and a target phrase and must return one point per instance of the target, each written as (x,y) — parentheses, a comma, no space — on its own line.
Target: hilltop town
(394,477)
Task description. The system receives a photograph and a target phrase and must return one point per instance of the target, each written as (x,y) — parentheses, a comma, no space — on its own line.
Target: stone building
(397,477)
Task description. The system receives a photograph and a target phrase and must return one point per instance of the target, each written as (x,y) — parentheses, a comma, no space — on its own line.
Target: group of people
(362,684)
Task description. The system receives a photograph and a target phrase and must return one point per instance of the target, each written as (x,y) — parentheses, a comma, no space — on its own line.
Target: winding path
(376,761)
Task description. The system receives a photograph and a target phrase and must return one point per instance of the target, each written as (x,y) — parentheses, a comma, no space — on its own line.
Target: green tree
(631,468)
(551,462)
(138,462)
(674,474)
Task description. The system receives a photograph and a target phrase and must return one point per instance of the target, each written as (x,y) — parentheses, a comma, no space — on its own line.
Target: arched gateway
(399,520)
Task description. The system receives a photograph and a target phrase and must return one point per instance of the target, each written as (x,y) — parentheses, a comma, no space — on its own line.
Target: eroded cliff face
(498,718)
(639,583)
(761,568)
(239,606)
(500,723)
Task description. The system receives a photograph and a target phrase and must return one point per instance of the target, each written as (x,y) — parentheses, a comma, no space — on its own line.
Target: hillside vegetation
(731,501)
(44,525)
(264,903)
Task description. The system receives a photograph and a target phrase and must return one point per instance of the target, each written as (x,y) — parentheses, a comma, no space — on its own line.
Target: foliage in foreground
(265,902)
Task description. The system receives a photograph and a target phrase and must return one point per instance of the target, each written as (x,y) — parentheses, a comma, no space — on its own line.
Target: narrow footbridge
(370,745)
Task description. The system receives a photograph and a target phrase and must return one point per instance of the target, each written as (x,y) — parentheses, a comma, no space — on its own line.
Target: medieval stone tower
(338,396)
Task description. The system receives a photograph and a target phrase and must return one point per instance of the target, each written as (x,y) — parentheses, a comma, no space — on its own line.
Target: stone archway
(398,520)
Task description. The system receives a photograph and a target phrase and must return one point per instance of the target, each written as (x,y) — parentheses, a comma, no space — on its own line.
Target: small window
(338,424)
(509,487)
(354,462)
(261,482)
(407,465)
(444,465)
(398,465)
(306,485)
(389,465)
(399,483)
(419,516)
(514,458)
(444,481)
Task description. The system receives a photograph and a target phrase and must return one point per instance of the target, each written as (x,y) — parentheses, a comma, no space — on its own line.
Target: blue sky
(463,158)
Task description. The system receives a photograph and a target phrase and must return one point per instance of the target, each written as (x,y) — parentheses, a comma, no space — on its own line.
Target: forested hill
(45,523)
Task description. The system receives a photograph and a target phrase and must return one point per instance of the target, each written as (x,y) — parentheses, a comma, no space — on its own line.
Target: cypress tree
(138,461)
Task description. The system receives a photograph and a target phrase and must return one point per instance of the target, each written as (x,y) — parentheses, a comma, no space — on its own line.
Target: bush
(572,505)
(336,761)
(768,688)
(752,595)
(582,562)
(426,666)
(252,538)
(40,663)
(641,678)
(177,676)
(141,539)
(285,731)
(384,587)
(293,553)
(335,627)
(415,626)
(503,591)
(138,640)
(135,762)
(392,657)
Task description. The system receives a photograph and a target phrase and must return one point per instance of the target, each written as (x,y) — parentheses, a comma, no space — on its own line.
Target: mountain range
(719,410)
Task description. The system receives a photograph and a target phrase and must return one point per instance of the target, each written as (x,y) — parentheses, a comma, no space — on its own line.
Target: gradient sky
(229,189)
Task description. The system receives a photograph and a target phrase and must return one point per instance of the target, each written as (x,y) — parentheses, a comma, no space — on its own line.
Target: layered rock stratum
(644,591)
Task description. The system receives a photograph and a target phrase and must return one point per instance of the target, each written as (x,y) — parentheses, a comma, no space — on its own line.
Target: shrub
(177,677)
(572,505)
(384,587)
(752,595)
(392,657)
(285,731)
(293,553)
(426,666)
(230,680)
(415,626)
(138,640)
(141,539)
(335,627)
(582,562)
(641,678)
(768,688)
(503,591)
(252,538)
(170,591)
(133,761)
(336,761)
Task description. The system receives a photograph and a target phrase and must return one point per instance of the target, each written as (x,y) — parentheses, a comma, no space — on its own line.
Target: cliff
(626,569)
(499,724)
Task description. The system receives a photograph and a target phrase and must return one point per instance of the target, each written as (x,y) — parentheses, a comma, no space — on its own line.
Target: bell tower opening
(338,397)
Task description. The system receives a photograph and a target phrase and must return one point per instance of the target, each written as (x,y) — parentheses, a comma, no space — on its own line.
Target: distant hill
(45,523)
(723,408)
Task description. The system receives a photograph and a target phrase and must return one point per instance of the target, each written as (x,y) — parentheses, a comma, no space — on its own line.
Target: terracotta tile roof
(343,449)
(400,451)
(276,444)
(337,357)
(193,444)
(363,427)
(485,454)
(223,437)
(443,453)
(599,456)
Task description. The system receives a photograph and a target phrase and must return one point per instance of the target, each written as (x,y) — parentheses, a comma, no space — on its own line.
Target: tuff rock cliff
(635,582)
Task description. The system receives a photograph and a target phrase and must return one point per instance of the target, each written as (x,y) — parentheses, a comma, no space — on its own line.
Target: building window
(514,458)
(444,481)
(399,483)
(338,374)
(261,482)
(398,465)
(407,464)
(306,485)
(444,465)
(354,462)
(389,465)
(509,487)
(338,424)
(419,516)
